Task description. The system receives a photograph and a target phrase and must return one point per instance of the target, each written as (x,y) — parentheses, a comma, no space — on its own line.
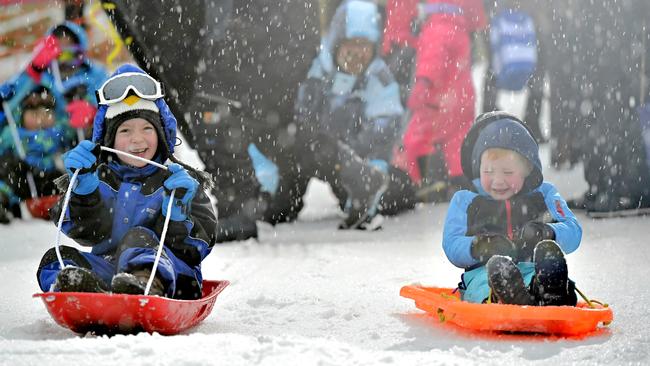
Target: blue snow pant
(137,250)
(474,286)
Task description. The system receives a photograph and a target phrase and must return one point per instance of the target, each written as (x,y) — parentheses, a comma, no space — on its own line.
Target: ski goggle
(117,88)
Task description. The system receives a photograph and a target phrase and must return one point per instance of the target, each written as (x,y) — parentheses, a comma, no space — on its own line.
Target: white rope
(162,243)
(66,201)
(133,157)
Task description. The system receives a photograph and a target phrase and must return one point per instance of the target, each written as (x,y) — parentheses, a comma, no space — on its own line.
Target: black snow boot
(364,185)
(135,283)
(506,282)
(550,286)
(78,279)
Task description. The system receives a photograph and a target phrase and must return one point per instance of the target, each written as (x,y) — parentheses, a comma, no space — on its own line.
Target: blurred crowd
(376,101)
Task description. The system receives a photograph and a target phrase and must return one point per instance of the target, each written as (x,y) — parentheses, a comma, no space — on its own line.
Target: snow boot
(550,286)
(364,184)
(506,282)
(79,279)
(135,283)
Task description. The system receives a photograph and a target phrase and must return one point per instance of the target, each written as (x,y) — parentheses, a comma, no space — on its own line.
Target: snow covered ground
(308,294)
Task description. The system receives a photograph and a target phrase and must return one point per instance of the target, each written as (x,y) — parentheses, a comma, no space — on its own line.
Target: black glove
(484,246)
(532,233)
(400,62)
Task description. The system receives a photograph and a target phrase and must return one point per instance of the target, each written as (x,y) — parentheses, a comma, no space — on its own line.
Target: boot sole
(506,281)
(551,271)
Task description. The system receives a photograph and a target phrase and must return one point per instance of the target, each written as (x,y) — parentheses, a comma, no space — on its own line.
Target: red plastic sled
(84,312)
(559,320)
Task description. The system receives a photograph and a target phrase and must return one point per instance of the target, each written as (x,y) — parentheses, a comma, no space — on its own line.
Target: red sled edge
(84,312)
(557,320)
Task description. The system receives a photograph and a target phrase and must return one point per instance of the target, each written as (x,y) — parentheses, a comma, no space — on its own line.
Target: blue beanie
(511,134)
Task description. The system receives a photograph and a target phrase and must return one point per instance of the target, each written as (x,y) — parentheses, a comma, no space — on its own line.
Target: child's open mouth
(139,152)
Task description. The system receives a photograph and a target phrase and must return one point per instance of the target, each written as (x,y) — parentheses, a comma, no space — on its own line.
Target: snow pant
(137,250)
(441,115)
(434,131)
(474,285)
(336,150)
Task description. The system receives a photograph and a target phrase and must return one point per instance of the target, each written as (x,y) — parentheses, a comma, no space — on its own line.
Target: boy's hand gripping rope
(66,201)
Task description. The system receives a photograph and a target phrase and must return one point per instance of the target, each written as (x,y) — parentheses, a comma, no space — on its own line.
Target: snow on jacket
(474,212)
(374,94)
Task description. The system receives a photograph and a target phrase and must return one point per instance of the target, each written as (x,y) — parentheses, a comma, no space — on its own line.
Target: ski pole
(19,148)
(58,83)
(163,234)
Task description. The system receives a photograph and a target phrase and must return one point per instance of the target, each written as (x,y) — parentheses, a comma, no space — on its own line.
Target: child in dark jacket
(28,170)
(118,205)
(510,233)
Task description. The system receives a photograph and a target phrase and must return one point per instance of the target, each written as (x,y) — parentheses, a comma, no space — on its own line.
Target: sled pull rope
(66,201)
(591,302)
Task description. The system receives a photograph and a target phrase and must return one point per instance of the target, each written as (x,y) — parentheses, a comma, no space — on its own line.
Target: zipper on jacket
(509,220)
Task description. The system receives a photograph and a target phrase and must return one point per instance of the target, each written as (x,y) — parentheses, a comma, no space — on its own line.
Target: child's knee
(138,237)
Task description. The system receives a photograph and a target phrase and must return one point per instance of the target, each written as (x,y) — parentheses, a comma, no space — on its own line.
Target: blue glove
(266,171)
(381,165)
(185,186)
(82,158)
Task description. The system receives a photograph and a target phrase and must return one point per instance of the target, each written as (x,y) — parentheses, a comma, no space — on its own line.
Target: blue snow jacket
(82,84)
(366,108)
(472,213)
(129,197)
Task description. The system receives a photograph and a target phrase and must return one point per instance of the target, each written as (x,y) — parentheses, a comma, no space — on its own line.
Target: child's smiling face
(38,118)
(503,173)
(354,55)
(136,136)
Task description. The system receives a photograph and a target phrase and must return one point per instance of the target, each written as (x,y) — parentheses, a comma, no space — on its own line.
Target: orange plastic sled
(559,320)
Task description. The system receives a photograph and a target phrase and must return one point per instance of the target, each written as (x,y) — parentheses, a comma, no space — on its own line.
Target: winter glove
(484,246)
(381,165)
(400,62)
(83,157)
(185,186)
(421,94)
(532,233)
(47,50)
(81,113)
(266,171)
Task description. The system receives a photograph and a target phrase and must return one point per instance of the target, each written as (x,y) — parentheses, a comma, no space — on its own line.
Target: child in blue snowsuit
(118,205)
(59,64)
(29,170)
(511,232)
(348,113)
